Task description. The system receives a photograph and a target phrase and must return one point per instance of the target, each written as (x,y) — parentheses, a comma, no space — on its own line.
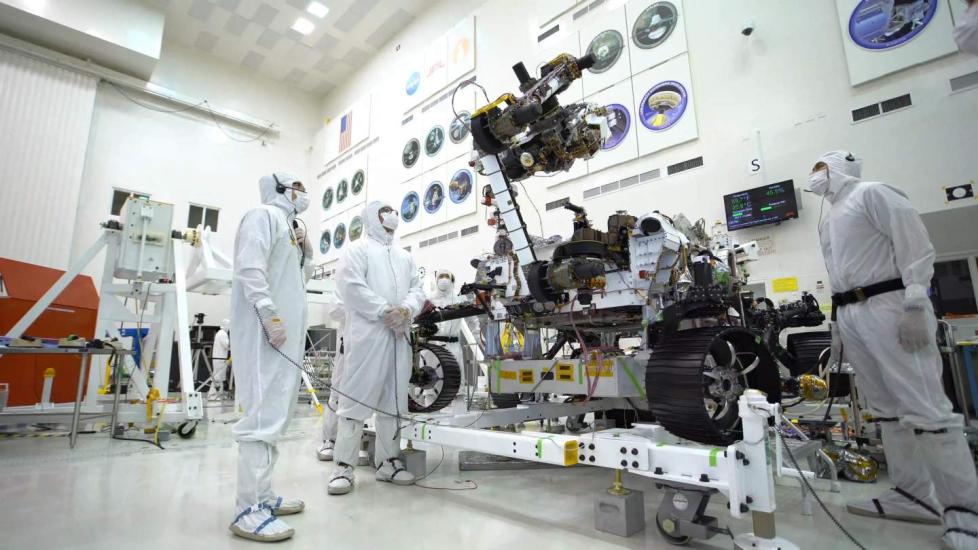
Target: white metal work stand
(17,415)
(743,472)
(169,300)
(143,224)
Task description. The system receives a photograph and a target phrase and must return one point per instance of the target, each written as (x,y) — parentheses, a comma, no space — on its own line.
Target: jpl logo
(413,82)
(437,65)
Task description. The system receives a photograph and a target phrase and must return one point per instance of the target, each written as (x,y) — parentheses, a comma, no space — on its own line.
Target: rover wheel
(435,380)
(695,378)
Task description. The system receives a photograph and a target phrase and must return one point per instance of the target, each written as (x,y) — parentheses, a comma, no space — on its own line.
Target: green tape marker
(632,378)
(539,448)
(496,366)
(713,456)
(580,373)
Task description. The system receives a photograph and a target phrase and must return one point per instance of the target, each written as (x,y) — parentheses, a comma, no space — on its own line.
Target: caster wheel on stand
(187,429)
(668,526)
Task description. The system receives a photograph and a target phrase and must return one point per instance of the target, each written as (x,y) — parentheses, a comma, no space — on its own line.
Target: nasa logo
(413,82)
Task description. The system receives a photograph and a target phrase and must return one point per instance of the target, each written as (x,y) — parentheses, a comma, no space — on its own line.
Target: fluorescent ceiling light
(317,9)
(303,25)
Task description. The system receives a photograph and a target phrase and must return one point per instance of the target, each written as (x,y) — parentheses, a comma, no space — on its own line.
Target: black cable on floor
(440,460)
(153,443)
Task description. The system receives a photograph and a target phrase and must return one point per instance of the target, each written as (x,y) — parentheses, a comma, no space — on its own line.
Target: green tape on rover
(633,379)
(713,456)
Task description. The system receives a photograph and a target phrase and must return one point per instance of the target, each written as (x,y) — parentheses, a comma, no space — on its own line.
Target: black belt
(863,293)
(443,338)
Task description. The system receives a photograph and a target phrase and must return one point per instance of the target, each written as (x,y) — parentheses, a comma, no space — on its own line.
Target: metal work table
(82,371)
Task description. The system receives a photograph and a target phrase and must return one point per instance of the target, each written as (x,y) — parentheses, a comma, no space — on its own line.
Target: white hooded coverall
(374,276)
(219,354)
(330,419)
(448,329)
(267,275)
(966,31)
(873,234)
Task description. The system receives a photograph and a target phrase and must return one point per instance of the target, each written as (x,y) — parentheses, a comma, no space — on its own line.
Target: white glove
(913,329)
(405,327)
(396,317)
(300,234)
(274,328)
(836,344)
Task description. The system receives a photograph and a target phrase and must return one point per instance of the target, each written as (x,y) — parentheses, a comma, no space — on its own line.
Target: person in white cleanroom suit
(379,284)
(330,419)
(966,31)
(445,295)
(219,355)
(870,235)
(272,262)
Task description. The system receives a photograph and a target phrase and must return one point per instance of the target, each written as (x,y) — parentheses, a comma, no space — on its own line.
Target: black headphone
(279,188)
(850,158)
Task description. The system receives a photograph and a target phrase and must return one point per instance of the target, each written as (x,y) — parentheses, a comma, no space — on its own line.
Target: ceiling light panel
(303,26)
(318,9)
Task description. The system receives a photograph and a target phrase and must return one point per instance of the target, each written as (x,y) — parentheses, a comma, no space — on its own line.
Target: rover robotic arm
(533,133)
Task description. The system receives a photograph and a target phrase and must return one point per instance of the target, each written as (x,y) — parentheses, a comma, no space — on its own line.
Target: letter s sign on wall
(754,167)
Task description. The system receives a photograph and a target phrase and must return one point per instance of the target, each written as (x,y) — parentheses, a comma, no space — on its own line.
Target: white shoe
(282,507)
(898,505)
(342,480)
(962,528)
(259,524)
(393,471)
(363,458)
(325,453)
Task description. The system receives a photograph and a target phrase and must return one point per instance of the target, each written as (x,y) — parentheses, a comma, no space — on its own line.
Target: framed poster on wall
(605,36)
(656,32)
(463,188)
(664,108)
(409,206)
(434,198)
(434,139)
(348,129)
(881,37)
(459,135)
(435,74)
(409,153)
(622,146)
(461,49)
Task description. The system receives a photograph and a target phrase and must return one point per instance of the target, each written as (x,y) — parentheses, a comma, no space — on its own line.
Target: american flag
(346,131)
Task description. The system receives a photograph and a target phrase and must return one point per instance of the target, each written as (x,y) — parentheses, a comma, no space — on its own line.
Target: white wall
(184,158)
(788,81)
(45,114)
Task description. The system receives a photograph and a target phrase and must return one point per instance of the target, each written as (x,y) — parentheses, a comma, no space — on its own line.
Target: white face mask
(966,32)
(444,285)
(301,202)
(818,182)
(390,220)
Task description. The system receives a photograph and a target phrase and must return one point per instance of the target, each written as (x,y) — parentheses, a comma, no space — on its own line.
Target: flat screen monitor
(760,206)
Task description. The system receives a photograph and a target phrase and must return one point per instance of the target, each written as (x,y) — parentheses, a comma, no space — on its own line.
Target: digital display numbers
(761,205)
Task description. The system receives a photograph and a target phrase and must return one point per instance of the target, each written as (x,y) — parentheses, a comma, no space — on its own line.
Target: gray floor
(114,494)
